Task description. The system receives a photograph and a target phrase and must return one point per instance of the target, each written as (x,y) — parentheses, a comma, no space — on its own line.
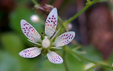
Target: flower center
(45,42)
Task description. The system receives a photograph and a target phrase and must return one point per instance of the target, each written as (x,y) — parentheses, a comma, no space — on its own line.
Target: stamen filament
(34,42)
(55,34)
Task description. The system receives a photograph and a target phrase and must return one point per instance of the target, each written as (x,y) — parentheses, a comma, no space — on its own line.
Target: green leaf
(12,43)
(8,62)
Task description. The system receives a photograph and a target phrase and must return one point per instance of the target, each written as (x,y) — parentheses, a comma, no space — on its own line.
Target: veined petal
(29,31)
(54,57)
(30,52)
(64,38)
(51,23)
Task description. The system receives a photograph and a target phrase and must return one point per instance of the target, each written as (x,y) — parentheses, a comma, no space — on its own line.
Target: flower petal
(64,38)
(54,57)
(29,31)
(51,23)
(30,52)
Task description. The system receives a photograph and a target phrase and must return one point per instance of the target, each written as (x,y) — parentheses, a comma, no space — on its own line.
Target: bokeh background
(94,34)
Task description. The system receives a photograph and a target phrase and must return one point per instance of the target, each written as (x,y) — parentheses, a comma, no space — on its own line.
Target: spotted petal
(30,31)
(30,52)
(54,57)
(51,23)
(64,38)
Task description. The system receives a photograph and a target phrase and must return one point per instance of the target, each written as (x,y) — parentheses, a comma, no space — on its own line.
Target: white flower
(45,44)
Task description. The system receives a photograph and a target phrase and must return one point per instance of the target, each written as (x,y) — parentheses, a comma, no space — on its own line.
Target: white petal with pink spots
(30,52)
(34,37)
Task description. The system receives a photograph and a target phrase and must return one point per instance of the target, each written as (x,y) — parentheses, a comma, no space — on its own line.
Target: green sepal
(44,52)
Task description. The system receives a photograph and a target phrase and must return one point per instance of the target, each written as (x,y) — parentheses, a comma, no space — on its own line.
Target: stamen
(42,35)
(55,34)
(34,42)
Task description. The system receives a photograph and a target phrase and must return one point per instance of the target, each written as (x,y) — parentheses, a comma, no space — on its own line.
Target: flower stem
(35,3)
(60,20)
(82,57)
(88,2)
(65,24)
(91,68)
(64,58)
(76,15)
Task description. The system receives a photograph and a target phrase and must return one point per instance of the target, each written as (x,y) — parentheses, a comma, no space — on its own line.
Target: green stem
(76,15)
(35,3)
(64,52)
(91,68)
(88,2)
(62,25)
(64,58)
(107,66)
(82,57)
(60,20)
